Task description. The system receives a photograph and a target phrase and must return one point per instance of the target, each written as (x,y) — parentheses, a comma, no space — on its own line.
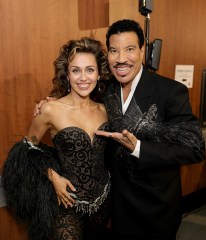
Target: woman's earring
(98,84)
(69,86)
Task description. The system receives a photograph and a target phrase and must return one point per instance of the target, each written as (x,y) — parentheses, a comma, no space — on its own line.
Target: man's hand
(126,138)
(37,109)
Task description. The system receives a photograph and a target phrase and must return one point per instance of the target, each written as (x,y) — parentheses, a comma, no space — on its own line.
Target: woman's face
(83,74)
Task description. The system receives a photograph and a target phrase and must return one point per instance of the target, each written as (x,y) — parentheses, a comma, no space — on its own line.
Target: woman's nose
(83,76)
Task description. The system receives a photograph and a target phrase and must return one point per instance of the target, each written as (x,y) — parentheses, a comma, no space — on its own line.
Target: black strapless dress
(82,162)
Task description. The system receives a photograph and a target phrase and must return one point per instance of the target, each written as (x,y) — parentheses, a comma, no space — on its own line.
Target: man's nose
(121,57)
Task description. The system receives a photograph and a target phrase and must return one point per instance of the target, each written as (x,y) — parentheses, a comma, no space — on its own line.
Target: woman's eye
(90,70)
(75,70)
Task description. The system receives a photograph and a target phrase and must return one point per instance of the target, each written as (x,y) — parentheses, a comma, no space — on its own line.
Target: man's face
(125,57)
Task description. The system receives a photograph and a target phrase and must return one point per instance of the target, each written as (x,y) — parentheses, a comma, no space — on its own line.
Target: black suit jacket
(147,190)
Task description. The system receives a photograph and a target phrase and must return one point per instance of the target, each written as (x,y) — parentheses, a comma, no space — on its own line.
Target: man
(155,133)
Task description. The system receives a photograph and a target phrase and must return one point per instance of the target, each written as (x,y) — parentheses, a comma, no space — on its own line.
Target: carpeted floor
(193,226)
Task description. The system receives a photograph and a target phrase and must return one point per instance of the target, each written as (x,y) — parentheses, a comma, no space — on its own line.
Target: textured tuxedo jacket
(147,190)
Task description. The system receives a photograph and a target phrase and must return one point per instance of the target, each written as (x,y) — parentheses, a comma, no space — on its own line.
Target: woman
(75,169)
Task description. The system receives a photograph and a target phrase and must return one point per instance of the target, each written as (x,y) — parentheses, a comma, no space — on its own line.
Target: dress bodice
(82,161)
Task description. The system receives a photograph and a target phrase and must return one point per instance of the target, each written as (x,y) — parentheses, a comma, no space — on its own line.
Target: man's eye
(130,49)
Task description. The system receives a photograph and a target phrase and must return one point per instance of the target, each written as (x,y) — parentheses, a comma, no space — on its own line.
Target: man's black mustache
(122,65)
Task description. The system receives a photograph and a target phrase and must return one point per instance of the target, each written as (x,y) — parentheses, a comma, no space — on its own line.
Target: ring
(110,134)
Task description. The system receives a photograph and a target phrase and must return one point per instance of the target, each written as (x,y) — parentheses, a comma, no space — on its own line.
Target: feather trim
(29,193)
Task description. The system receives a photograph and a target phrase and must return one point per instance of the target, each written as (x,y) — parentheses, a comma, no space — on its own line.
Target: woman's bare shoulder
(49,107)
(102,107)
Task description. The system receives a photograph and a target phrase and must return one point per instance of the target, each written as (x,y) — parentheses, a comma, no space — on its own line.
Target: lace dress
(82,162)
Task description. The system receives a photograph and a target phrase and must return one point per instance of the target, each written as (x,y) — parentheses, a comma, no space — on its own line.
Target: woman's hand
(126,138)
(60,185)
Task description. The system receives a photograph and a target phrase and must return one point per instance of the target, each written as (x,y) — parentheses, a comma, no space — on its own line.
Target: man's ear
(143,50)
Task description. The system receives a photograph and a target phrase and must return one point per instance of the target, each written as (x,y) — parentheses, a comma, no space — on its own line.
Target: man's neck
(126,90)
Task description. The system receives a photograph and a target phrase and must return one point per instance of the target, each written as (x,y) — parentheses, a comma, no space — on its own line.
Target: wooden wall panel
(9,229)
(31,33)
(93,14)
(180,24)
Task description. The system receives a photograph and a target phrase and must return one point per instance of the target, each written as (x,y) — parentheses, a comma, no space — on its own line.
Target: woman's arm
(40,125)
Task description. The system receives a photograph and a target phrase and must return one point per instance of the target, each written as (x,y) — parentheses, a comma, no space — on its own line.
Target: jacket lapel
(143,91)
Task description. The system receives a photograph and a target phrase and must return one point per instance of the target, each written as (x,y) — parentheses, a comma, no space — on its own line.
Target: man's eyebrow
(131,45)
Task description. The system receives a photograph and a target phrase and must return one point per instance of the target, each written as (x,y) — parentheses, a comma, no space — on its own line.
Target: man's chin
(121,76)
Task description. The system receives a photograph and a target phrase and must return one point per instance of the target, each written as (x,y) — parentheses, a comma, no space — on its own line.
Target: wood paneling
(9,229)
(180,24)
(193,177)
(93,14)
(31,33)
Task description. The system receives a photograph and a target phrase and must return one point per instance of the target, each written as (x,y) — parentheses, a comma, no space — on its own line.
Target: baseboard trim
(194,200)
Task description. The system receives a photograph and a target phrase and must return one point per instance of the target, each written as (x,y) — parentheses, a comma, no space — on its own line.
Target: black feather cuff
(29,193)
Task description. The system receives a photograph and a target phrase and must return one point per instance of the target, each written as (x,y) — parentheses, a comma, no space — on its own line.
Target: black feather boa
(29,193)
